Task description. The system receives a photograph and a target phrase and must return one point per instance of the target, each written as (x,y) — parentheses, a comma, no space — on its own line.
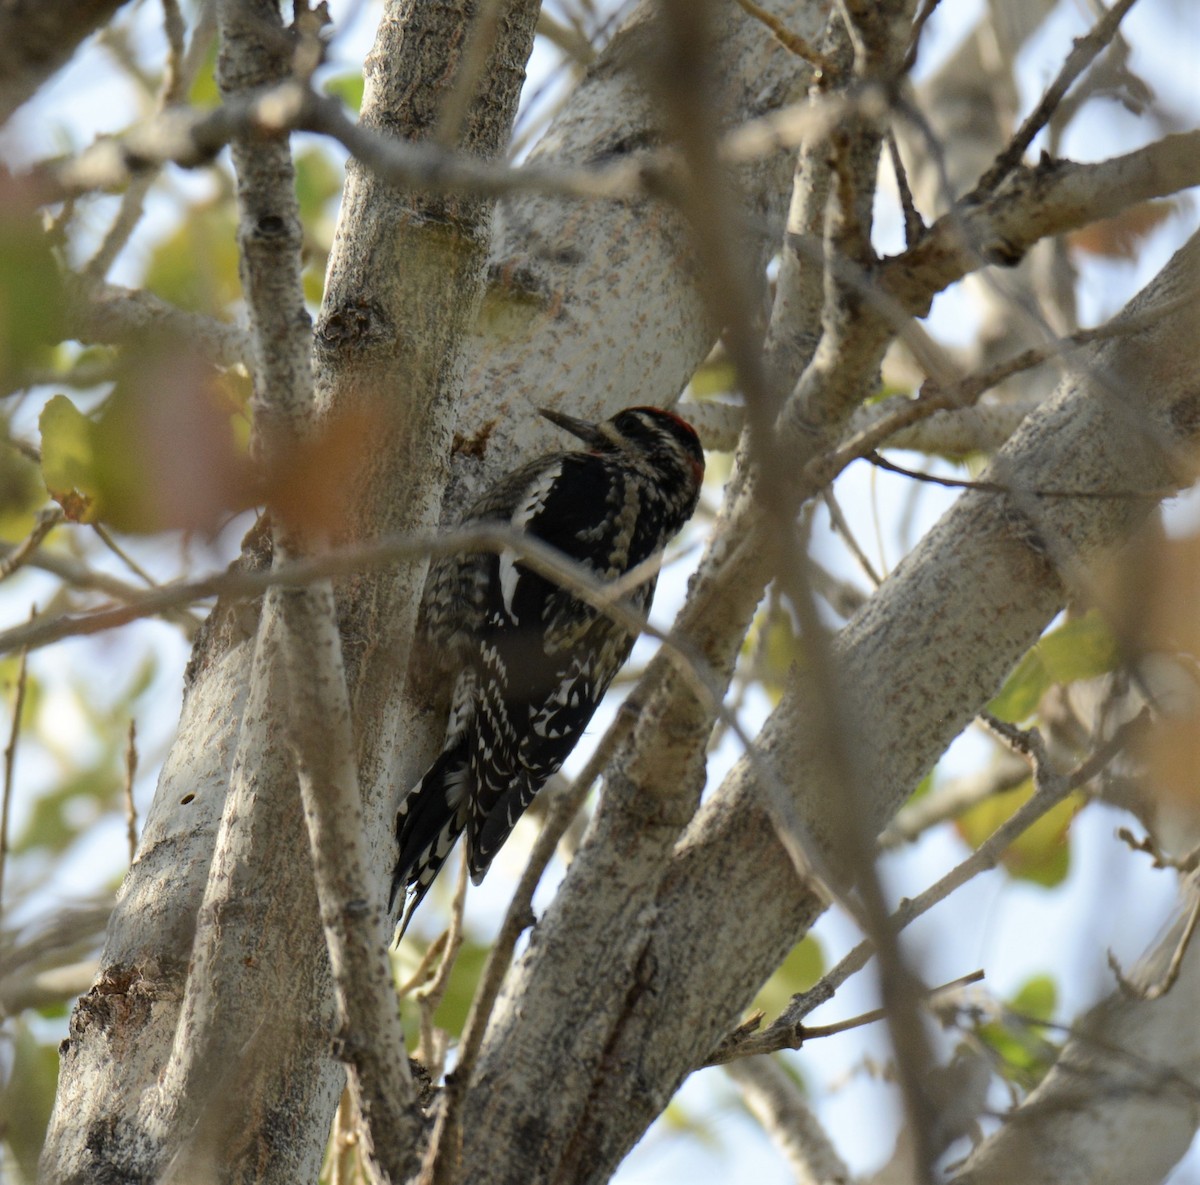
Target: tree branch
(37,37)
(777,1101)
(108,314)
(974,595)
(1082,54)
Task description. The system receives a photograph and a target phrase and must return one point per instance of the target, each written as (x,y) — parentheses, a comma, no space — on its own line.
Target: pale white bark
(777,1101)
(299,630)
(595,306)
(1120,1106)
(151,935)
(353,910)
(114,315)
(923,657)
(983,428)
(192,1066)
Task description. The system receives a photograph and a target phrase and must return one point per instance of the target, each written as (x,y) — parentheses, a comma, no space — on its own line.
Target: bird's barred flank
(530,662)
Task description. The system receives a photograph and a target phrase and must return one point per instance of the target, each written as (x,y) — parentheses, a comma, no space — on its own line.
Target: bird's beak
(588,433)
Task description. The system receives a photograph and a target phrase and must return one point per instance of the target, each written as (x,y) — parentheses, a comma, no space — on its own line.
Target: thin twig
(572,39)
(961,394)
(998,487)
(914,225)
(922,18)
(47,519)
(430,996)
(538,556)
(746,1041)
(790,40)
(25,448)
(177,75)
(787,1030)
(175,79)
(812,1032)
(1024,742)
(78,575)
(123,555)
(129,214)
(10,758)
(1161,986)
(426,967)
(131,764)
(838,521)
(1082,54)
(951,800)
(191,139)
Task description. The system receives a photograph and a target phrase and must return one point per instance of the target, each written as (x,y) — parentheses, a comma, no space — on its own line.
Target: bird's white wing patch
(508,580)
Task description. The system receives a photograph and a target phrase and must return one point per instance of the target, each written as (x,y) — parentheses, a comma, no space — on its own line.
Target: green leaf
(889,391)
(1018,1038)
(69,458)
(1037,998)
(923,787)
(717,377)
(31,294)
(9,672)
(204,91)
(451,1014)
(318,182)
(1081,648)
(804,965)
(681,1120)
(314,286)
(196,267)
(1023,689)
(1041,854)
(22,493)
(56,821)
(161,452)
(348,88)
(772,646)
(460,991)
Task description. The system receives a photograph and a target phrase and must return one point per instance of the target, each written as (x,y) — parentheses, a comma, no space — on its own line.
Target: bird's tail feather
(428,821)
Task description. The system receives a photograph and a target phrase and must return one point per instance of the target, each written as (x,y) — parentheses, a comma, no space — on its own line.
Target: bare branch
(788,1031)
(47,519)
(37,37)
(1054,197)
(949,801)
(115,316)
(790,40)
(778,1103)
(131,761)
(299,629)
(10,759)
(1082,54)
(1160,987)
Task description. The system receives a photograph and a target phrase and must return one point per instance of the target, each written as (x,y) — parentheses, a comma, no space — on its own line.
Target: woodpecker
(530,662)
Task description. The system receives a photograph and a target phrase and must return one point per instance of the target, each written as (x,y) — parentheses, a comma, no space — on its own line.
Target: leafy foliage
(1017,1036)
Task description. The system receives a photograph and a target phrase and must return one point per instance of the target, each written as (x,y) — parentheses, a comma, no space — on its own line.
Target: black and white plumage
(530,661)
